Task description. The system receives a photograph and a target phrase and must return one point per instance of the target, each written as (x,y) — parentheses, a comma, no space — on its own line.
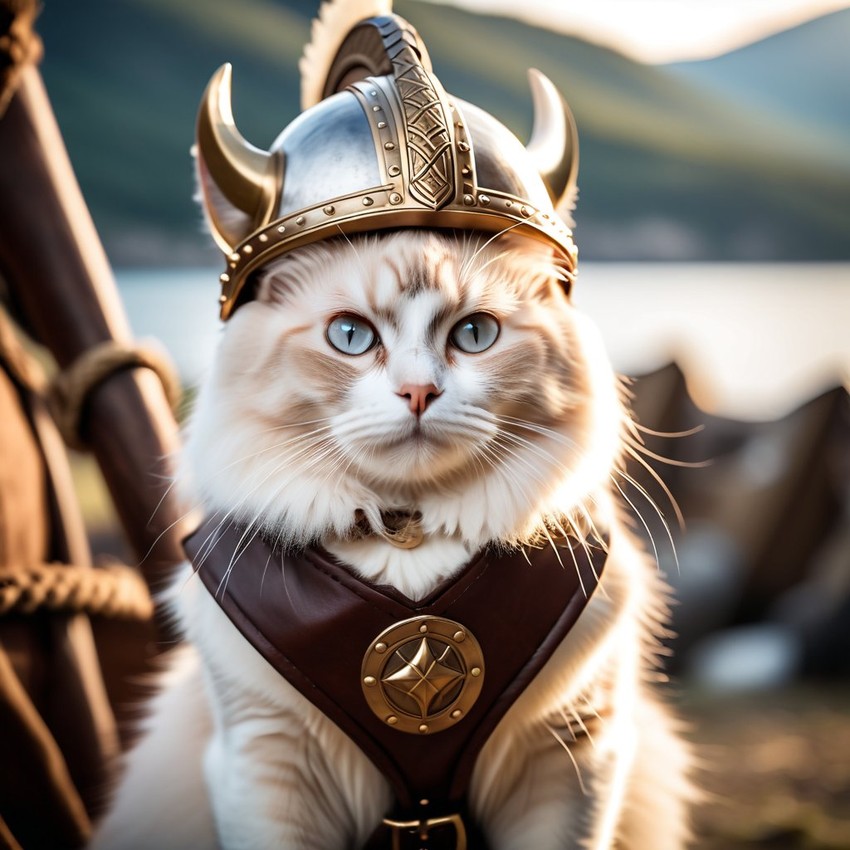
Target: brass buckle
(424,826)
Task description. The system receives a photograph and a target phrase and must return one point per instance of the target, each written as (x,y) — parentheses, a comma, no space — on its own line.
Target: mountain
(671,168)
(802,72)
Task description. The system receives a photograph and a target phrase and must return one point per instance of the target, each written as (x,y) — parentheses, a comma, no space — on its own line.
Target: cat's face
(398,367)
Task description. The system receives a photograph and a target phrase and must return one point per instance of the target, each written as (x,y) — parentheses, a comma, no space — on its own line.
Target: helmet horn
(241,183)
(554,141)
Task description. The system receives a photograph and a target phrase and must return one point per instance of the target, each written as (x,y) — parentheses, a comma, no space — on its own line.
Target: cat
(445,373)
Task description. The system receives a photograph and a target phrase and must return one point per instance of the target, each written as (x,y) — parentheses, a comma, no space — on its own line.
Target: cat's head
(415,369)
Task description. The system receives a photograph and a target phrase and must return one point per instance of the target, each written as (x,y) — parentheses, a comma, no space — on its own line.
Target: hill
(670,169)
(802,73)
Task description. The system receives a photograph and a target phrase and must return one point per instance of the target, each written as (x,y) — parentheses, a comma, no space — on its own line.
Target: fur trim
(335,20)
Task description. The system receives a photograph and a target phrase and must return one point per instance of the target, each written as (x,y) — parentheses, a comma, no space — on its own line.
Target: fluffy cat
(500,444)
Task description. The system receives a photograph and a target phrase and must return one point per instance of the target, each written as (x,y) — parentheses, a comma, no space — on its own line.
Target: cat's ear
(554,143)
(274,284)
(278,281)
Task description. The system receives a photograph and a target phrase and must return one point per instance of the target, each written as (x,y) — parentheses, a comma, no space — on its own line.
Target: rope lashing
(71,387)
(114,590)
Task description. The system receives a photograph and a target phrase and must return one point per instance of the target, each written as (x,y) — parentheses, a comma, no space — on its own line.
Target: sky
(658,31)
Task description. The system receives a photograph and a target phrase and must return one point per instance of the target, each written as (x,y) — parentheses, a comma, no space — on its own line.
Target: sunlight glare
(657,31)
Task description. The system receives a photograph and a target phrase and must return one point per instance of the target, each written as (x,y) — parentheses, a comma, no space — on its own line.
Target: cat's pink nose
(418,396)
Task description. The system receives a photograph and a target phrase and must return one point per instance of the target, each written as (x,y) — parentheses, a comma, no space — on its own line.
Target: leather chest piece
(418,685)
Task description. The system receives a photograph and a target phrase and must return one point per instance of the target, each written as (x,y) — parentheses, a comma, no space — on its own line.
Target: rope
(70,389)
(114,590)
(19,44)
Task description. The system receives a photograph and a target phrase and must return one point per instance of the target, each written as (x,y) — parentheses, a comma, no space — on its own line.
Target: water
(754,340)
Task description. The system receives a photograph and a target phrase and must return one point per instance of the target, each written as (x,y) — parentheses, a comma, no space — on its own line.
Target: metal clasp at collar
(423,827)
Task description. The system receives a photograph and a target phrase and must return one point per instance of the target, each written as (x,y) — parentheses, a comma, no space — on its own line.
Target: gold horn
(554,140)
(241,183)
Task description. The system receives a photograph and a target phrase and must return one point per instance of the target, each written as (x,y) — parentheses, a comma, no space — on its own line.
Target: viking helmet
(383,147)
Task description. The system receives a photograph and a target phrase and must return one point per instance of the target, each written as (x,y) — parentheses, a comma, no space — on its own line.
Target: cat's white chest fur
(508,434)
(413,572)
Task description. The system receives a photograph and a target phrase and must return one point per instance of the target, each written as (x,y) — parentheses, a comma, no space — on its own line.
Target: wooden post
(63,289)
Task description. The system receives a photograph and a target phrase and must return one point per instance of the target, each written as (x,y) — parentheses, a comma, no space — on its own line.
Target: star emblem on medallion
(425,676)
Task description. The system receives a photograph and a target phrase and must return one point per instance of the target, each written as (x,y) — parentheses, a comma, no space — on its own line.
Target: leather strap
(313,620)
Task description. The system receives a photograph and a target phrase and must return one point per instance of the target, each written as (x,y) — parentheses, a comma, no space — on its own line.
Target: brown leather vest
(419,686)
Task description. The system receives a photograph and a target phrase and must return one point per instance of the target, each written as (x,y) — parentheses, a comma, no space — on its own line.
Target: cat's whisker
(354,460)
(643,522)
(582,726)
(569,547)
(526,462)
(563,743)
(238,552)
(666,434)
(589,555)
(271,448)
(553,546)
(568,727)
(535,427)
(480,268)
(498,452)
(536,474)
(363,270)
(480,457)
(536,447)
(467,264)
(655,507)
(334,461)
(597,534)
(589,705)
(685,464)
(680,518)
(266,449)
(275,465)
(250,533)
(166,493)
(487,457)
(328,452)
(545,532)
(283,426)
(537,450)
(511,425)
(172,525)
(209,542)
(575,563)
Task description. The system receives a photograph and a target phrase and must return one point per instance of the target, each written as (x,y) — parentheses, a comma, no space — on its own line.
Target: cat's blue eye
(475,333)
(351,335)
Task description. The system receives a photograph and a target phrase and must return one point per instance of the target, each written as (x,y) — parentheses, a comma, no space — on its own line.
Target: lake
(755,340)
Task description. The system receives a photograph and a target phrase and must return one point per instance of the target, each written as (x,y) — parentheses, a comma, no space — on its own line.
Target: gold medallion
(422,675)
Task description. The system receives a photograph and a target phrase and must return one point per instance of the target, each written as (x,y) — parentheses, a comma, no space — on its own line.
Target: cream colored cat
(442,373)
(293,435)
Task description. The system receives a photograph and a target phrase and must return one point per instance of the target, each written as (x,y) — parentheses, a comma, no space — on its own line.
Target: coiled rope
(70,388)
(113,590)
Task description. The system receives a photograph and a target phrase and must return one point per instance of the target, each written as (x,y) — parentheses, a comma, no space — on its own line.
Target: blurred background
(714,235)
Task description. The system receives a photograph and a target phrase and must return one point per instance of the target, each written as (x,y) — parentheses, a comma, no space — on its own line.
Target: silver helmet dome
(385,148)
